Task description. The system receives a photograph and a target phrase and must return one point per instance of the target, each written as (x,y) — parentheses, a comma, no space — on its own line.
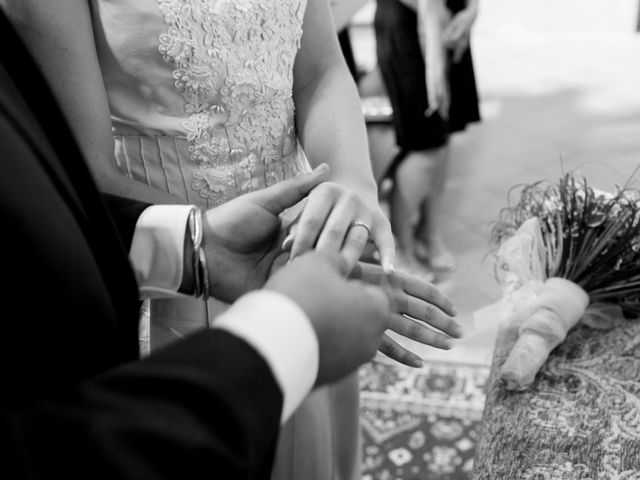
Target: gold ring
(359,223)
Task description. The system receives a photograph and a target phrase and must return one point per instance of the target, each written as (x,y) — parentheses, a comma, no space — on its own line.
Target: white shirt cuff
(157,249)
(281,332)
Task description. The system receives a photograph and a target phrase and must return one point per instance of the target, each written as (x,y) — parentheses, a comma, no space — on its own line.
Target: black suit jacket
(76,400)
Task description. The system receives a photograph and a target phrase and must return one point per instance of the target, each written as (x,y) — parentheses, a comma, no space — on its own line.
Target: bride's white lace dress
(200,93)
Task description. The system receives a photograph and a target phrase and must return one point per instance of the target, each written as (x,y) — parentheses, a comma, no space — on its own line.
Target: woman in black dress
(422,131)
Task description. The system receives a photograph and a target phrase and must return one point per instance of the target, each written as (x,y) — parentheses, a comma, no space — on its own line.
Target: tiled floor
(551,100)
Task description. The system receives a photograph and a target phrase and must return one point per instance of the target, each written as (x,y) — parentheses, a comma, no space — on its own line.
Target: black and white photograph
(320,239)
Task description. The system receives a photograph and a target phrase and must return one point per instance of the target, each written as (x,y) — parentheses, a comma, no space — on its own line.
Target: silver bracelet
(202,258)
(195,234)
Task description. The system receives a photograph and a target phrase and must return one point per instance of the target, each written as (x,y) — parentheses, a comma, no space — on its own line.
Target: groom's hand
(242,238)
(348,316)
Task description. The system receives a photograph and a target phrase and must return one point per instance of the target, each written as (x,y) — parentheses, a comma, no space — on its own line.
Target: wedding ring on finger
(359,223)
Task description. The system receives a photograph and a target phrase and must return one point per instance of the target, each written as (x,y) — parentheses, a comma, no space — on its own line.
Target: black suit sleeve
(208,407)
(125,213)
(77,402)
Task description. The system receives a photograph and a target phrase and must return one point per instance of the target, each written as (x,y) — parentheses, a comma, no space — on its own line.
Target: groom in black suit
(77,401)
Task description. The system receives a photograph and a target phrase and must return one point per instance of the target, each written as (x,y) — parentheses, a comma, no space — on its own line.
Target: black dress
(402,66)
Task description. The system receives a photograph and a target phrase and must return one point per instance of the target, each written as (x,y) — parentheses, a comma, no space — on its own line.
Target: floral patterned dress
(201,100)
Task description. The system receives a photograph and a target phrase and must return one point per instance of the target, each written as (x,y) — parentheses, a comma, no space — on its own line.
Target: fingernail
(417,363)
(388,267)
(287,242)
(320,168)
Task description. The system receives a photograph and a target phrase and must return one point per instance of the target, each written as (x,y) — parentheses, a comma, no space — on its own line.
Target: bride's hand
(342,219)
(419,311)
(242,237)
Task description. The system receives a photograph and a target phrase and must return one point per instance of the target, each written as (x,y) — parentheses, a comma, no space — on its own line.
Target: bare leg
(428,241)
(416,179)
(407,195)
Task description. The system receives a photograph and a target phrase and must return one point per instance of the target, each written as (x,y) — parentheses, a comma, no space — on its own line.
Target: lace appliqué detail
(234,69)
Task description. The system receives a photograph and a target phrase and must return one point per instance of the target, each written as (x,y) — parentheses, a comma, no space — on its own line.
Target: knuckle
(415,330)
(334,231)
(435,296)
(353,198)
(428,310)
(312,223)
(431,293)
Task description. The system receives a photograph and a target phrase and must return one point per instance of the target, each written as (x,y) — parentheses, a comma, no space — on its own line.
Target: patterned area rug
(420,423)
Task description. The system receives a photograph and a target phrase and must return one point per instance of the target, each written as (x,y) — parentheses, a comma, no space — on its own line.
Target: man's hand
(242,237)
(348,316)
(330,219)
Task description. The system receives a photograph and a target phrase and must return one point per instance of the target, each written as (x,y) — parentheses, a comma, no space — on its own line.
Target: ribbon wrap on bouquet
(543,310)
(558,306)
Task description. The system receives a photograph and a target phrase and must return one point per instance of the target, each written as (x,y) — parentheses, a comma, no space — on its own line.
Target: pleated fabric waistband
(166,163)
(161,162)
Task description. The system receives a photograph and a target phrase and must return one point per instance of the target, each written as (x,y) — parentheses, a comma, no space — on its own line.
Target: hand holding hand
(349,317)
(242,237)
(341,219)
(416,306)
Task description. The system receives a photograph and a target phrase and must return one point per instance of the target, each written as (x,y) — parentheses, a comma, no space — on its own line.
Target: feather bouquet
(564,251)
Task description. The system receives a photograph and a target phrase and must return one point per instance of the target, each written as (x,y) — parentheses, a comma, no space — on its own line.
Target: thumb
(287,193)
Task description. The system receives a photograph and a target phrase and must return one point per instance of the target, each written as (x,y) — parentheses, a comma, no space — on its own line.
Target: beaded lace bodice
(224,84)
